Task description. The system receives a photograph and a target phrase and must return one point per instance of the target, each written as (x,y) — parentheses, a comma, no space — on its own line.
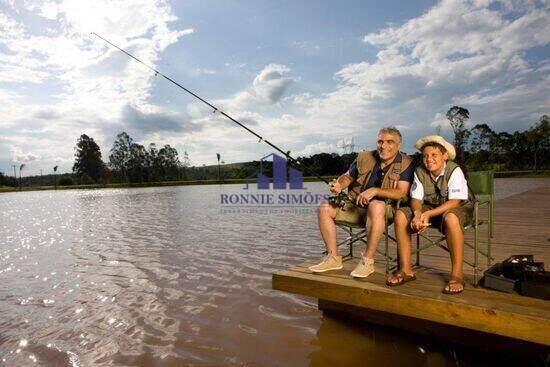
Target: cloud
(82,84)
(320,147)
(21,157)
(469,53)
(266,91)
(271,83)
(157,122)
(46,114)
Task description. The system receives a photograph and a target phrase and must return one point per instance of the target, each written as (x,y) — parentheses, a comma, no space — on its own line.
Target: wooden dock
(522,226)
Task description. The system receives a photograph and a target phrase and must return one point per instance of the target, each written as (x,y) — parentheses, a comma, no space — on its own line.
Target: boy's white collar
(442,171)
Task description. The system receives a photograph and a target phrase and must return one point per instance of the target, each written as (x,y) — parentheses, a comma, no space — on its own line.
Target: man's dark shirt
(378,173)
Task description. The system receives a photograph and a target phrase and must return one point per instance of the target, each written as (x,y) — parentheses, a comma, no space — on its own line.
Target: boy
(440,198)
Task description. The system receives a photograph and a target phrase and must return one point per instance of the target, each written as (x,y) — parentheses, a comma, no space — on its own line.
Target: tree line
(478,148)
(481,148)
(128,162)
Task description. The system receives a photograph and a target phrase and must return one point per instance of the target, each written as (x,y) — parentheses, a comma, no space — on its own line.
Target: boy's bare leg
(375,226)
(455,240)
(325,218)
(403,237)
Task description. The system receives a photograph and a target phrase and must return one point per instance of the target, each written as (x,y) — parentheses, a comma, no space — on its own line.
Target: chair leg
(351,244)
(489,246)
(476,218)
(386,243)
(489,233)
(417,249)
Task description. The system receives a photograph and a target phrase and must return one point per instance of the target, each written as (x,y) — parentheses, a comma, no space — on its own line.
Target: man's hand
(335,187)
(366,196)
(420,221)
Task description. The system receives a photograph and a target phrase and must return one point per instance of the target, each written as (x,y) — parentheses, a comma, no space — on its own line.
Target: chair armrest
(401,200)
(483,198)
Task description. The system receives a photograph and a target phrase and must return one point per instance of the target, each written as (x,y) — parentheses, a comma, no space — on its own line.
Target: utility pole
(54,177)
(14,173)
(219,173)
(20,179)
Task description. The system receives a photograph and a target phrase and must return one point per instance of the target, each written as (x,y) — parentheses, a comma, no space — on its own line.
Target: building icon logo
(266,201)
(280,169)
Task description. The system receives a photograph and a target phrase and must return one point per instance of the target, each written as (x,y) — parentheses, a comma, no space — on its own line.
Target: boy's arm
(416,206)
(417,223)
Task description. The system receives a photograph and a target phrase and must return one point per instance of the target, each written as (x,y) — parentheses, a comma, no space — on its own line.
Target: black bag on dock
(536,285)
(520,272)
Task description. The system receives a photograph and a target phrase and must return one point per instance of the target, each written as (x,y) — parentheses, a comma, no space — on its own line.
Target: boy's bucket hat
(439,140)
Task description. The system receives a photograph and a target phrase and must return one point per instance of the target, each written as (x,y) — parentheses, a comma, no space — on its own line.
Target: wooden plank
(452,333)
(486,319)
(518,229)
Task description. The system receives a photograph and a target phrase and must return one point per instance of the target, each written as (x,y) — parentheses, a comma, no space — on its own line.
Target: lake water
(168,276)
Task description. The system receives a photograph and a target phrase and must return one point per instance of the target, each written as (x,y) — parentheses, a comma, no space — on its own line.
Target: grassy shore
(522,174)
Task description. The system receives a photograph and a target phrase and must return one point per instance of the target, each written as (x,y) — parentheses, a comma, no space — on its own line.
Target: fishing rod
(289,158)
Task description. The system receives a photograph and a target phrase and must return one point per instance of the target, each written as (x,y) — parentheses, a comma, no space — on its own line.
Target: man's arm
(394,194)
(345,180)
(400,191)
(340,183)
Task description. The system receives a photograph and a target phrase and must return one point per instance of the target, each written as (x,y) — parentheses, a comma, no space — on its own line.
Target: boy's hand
(335,187)
(420,221)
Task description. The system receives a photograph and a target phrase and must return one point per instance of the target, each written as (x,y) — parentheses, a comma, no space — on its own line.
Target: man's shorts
(464,214)
(354,214)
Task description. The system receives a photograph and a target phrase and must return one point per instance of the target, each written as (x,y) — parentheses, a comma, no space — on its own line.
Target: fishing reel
(341,199)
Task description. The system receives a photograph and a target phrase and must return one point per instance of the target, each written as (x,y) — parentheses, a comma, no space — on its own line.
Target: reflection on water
(163,277)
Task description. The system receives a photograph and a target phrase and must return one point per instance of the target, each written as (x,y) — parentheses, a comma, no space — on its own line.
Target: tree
(88,161)
(457,116)
(169,162)
(538,138)
(482,147)
(153,173)
(7,181)
(120,154)
(137,163)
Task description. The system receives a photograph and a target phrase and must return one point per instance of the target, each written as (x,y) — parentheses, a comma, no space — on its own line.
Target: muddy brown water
(171,277)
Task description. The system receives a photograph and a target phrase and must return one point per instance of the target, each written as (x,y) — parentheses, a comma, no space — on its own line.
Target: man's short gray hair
(391,130)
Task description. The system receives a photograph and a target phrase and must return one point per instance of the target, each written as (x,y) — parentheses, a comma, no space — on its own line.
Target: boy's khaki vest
(436,192)
(365,164)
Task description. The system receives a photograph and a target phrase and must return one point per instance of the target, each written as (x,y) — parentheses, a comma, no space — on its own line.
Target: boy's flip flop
(451,282)
(401,278)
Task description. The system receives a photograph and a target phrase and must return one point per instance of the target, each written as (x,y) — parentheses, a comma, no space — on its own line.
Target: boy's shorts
(464,214)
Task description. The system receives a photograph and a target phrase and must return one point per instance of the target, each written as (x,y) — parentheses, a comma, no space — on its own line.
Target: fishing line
(289,158)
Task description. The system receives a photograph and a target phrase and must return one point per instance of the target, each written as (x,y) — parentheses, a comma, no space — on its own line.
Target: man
(373,177)
(439,198)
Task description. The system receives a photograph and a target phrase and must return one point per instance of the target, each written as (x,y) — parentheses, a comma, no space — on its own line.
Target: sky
(307,75)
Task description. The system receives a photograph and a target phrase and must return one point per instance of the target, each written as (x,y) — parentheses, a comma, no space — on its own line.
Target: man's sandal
(454,281)
(399,279)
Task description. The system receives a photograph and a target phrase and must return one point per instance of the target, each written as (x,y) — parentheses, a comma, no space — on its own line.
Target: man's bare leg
(375,226)
(325,218)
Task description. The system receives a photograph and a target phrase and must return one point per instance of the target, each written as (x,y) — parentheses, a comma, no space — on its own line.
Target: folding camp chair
(360,234)
(481,183)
